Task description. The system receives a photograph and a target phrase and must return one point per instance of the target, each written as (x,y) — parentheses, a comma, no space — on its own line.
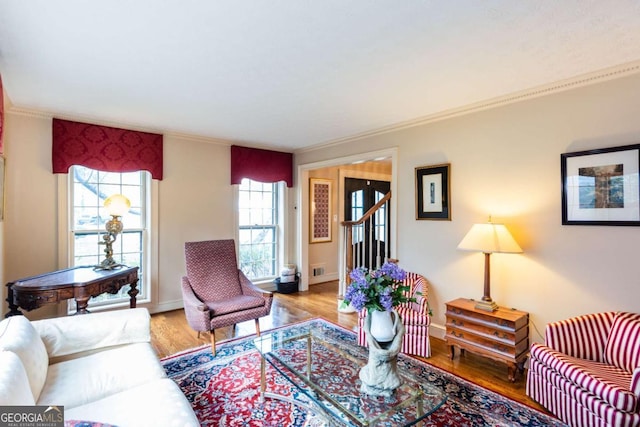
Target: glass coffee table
(324,367)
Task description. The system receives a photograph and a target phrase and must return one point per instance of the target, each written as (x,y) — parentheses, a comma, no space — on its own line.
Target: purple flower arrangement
(379,289)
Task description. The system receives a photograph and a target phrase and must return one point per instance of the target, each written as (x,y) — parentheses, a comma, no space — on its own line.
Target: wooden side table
(79,283)
(501,335)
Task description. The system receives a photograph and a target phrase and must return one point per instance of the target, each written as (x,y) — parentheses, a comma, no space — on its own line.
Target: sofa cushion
(20,337)
(75,382)
(623,344)
(571,403)
(14,384)
(602,380)
(158,403)
(233,304)
(63,336)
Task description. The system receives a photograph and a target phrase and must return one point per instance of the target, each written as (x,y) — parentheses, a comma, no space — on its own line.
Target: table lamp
(117,205)
(489,238)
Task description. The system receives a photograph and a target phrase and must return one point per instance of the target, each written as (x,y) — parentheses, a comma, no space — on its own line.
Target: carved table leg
(132,293)
(81,305)
(452,353)
(512,368)
(13,308)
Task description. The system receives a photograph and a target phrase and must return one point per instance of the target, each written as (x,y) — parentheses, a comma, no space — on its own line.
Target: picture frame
(601,187)
(320,210)
(433,192)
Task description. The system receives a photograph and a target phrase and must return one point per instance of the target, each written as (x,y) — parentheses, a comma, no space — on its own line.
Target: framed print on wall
(320,221)
(433,192)
(601,187)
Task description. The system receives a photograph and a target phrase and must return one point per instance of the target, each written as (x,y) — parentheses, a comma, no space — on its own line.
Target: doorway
(301,246)
(370,238)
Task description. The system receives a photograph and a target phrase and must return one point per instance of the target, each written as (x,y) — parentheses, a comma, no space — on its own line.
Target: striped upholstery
(415,318)
(573,375)
(623,345)
(215,292)
(583,337)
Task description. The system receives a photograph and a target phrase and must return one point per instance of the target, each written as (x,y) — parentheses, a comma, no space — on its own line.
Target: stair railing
(371,250)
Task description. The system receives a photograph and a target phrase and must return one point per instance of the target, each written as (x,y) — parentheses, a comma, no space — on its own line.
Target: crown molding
(46,115)
(611,73)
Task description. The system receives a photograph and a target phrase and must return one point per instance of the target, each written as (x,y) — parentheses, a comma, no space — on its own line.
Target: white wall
(196,203)
(31,217)
(505,162)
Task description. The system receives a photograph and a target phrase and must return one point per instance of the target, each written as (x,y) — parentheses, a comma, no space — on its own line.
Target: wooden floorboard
(170,334)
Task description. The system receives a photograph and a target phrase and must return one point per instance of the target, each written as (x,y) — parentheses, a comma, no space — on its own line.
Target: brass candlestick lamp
(117,205)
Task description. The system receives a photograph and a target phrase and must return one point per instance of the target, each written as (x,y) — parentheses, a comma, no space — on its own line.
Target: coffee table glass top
(324,366)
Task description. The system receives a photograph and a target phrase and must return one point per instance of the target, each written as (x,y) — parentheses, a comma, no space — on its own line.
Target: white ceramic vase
(380,376)
(383,328)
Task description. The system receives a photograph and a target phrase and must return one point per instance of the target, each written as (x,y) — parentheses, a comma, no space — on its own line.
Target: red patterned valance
(261,165)
(105,148)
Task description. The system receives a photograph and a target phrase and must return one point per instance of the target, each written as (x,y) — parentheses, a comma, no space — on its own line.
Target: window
(88,217)
(259,230)
(357,211)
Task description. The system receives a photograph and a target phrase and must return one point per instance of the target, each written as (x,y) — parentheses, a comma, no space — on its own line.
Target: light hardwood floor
(170,334)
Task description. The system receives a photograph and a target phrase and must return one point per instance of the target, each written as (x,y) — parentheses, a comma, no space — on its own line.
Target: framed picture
(433,197)
(320,221)
(601,187)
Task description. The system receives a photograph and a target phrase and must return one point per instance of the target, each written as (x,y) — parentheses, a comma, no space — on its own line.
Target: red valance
(105,148)
(261,165)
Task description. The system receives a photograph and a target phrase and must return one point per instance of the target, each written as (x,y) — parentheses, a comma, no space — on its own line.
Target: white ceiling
(296,73)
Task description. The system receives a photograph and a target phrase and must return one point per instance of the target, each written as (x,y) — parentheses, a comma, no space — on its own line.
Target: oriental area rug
(225,390)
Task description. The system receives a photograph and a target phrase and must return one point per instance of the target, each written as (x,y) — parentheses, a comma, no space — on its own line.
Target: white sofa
(101,367)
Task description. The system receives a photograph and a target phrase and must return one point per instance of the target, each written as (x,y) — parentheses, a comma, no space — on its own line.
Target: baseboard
(165,306)
(437,331)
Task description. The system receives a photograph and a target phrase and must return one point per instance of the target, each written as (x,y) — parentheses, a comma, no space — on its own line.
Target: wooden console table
(79,283)
(502,335)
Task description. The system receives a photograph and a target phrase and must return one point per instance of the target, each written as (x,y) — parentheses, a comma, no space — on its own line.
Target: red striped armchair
(415,318)
(588,373)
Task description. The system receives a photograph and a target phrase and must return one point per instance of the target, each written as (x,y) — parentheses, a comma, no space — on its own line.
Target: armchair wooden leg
(257,327)
(213,342)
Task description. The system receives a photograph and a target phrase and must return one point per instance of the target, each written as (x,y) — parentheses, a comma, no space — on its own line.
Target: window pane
(257,237)
(90,189)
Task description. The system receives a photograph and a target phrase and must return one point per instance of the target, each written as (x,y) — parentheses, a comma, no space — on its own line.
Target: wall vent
(317,270)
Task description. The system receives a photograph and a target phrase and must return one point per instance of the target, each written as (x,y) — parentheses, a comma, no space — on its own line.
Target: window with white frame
(89,189)
(259,229)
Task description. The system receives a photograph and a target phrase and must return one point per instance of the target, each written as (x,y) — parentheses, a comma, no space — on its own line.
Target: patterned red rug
(225,390)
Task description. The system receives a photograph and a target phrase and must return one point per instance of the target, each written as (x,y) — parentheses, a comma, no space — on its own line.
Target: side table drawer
(505,335)
(490,320)
(509,349)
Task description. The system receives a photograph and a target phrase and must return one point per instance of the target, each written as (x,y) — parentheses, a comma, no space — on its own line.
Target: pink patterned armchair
(415,318)
(588,373)
(215,292)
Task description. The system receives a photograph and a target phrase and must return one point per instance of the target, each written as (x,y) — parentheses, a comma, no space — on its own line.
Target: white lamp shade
(117,205)
(489,238)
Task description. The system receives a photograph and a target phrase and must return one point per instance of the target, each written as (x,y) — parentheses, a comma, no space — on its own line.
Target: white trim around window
(151,275)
